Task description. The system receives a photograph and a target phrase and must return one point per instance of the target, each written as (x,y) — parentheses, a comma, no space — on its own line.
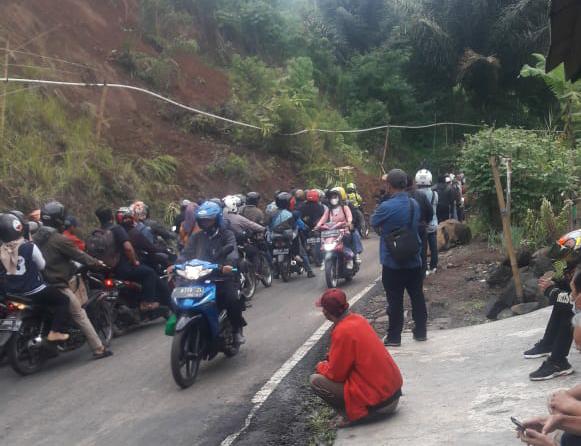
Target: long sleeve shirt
(339,214)
(358,359)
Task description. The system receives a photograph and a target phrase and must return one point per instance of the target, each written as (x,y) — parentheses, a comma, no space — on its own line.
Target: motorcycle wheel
(248,285)
(24,358)
(186,356)
(285,270)
(265,271)
(331,273)
(102,319)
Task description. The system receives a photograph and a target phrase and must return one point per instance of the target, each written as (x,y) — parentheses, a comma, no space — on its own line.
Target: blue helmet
(209,211)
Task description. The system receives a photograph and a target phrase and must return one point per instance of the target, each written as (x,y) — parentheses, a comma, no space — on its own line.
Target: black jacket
(311,213)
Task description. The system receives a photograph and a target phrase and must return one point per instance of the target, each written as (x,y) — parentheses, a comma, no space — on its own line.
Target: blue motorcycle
(199,329)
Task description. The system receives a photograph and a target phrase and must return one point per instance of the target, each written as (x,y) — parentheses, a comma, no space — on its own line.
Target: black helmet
(252,198)
(53,214)
(283,200)
(19,214)
(11,228)
(125,216)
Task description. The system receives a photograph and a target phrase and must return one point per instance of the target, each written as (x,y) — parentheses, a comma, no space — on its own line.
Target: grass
(319,417)
(49,152)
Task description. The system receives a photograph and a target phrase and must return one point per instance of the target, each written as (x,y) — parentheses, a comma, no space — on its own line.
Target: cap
(334,301)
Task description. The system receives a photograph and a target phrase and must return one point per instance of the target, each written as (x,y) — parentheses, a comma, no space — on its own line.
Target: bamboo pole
(506,229)
(4,95)
(385,147)
(101,112)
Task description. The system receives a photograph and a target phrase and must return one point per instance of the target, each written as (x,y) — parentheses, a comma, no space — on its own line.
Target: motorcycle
(199,329)
(255,251)
(284,263)
(28,324)
(339,259)
(313,247)
(362,220)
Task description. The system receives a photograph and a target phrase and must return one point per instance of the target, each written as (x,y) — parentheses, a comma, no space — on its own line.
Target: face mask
(334,201)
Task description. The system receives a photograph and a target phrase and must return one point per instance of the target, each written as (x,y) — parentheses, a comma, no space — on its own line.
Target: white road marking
(262,395)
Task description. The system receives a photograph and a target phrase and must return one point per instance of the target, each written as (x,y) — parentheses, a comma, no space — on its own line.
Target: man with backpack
(398,220)
(110,243)
(445,198)
(424,184)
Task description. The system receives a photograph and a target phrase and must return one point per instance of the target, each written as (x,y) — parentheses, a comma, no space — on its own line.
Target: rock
(523,258)
(531,290)
(442,323)
(525,308)
(505,314)
(452,233)
(494,307)
(499,276)
(541,262)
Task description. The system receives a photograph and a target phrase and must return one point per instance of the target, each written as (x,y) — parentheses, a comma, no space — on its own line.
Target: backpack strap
(412,212)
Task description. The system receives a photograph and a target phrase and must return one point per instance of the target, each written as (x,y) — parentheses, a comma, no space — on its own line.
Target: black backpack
(403,243)
(101,245)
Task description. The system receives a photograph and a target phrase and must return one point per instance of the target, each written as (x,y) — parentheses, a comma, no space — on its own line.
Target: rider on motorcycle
(283,218)
(311,213)
(207,245)
(236,222)
(22,263)
(339,212)
(149,227)
(251,210)
(60,252)
(353,196)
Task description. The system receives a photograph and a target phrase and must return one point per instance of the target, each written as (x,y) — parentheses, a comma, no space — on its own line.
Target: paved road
(131,399)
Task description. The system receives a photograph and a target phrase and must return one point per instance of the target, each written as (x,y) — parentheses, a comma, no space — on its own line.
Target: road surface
(131,398)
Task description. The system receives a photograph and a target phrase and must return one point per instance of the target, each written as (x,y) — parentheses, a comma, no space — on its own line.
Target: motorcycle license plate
(313,241)
(10,325)
(331,233)
(187,292)
(280,252)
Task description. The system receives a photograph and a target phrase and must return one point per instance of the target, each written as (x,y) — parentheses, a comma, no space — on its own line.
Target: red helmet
(313,196)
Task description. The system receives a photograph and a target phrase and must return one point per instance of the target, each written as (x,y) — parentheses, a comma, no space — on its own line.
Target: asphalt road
(131,398)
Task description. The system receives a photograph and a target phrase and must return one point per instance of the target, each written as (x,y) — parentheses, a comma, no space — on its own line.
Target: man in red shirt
(71,232)
(359,378)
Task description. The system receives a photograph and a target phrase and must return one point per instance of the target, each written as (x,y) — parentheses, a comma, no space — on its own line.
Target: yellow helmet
(341,192)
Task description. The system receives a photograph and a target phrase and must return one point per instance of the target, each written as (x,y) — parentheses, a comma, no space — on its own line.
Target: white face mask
(334,201)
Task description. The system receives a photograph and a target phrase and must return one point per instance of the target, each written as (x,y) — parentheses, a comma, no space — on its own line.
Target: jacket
(203,246)
(253,213)
(432,197)
(239,224)
(60,253)
(426,209)
(394,214)
(358,359)
(311,213)
(25,278)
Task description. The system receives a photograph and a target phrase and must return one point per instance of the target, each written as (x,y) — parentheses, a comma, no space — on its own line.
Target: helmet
(53,214)
(424,177)
(252,198)
(241,199)
(11,228)
(140,210)
(313,196)
(341,192)
(217,201)
(19,214)
(231,203)
(209,216)
(568,247)
(283,200)
(125,216)
(300,194)
(351,188)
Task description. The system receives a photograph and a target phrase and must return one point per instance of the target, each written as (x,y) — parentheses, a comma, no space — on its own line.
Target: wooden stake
(385,147)
(101,112)
(4,93)
(506,229)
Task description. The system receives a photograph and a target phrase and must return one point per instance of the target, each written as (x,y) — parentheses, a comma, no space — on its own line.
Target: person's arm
(230,240)
(38,258)
(130,253)
(348,214)
(341,359)
(567,423)
(68,249)
(566,402)
(249,225)
(428,209)
(324,218)
(380,215)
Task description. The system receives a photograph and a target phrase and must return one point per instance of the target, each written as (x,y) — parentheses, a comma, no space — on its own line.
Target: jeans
(58,302)
(432,239)
(153,287)
(570,440)
(395,283)
(357,244)
(299,249)
(227,299)
(559,332)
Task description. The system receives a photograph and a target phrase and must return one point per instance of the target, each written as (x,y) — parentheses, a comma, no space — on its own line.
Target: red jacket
(358,358)
(76,240)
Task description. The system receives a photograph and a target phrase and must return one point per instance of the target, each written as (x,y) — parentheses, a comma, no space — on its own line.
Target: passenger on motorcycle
(311,213)
(129,268)
(236,222)
(283,219)
(22,263)
(339,212)
(207,245)
(71,232)
(149,227)
(251,210)
(353,196)
(60,252)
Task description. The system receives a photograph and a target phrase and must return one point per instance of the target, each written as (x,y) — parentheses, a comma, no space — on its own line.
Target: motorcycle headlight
(194,272)
(329,246)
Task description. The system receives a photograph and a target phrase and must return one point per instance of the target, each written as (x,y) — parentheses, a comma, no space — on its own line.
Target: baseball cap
(334,301)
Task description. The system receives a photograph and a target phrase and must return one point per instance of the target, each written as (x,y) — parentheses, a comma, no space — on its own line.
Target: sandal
(104,354)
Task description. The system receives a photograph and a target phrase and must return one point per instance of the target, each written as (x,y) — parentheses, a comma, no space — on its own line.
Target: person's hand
(535,423)
(136,263)
(545,283)
(552,424)
(227,269)
(534,438)
(170,269)
(561,402)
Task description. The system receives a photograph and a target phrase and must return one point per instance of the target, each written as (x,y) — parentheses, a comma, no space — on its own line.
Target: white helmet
(424,178)
(231,203)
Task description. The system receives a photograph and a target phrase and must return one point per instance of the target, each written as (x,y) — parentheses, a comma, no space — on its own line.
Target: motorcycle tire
(248,288)
(101,316)
(186,353)
(331,273)
(285,270)
(265,271)
(24,359)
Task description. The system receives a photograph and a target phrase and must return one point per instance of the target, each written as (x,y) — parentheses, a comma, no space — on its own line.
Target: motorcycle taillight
(109,283)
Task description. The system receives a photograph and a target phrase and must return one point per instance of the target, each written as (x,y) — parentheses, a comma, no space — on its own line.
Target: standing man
(401,271)
(424,186)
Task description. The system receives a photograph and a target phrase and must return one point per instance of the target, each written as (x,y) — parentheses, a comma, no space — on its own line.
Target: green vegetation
(49,153)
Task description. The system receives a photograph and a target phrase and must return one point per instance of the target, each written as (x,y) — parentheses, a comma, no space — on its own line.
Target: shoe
(433,270)
(551,369)
(239,339)
(310,274)
(358,259)
(427,273)
(421,338)
(104,354)
(389,343)
(538,351)
(349,264)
